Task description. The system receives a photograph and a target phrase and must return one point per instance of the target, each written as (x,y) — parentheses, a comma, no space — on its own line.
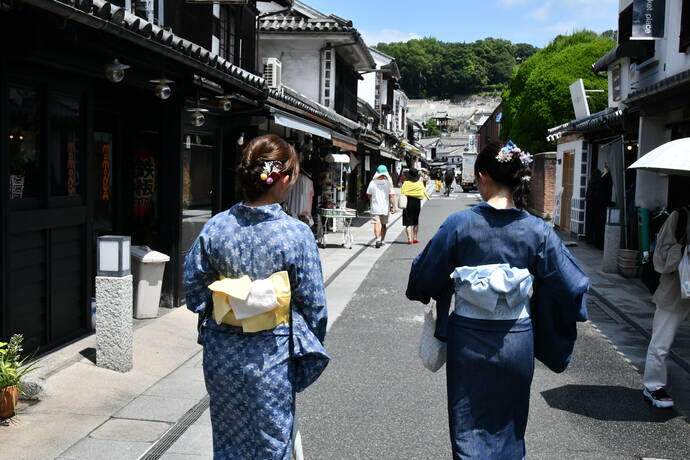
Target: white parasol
(669,158)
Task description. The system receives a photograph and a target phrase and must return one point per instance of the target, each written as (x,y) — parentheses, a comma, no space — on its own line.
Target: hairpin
(510,151)
(526,178)
(272,171)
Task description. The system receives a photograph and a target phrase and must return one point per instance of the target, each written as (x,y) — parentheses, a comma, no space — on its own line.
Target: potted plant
(12,371)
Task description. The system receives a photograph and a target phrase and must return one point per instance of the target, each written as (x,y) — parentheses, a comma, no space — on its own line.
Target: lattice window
(328,77)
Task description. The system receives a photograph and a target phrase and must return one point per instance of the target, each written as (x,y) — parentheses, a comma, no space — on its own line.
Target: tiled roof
(111,18)
(291,97)
(610,117)
(286,22)
(674,81)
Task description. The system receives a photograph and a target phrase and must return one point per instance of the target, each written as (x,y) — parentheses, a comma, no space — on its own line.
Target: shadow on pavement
(607,403)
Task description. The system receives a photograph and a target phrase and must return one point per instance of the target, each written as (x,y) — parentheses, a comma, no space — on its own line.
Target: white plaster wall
(301,62)
(366,88)
(671,61)
(652,189)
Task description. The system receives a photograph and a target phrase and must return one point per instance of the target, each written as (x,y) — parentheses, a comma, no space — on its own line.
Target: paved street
(377,402)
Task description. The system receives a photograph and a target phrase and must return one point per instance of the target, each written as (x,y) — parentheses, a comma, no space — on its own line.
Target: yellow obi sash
(258,305)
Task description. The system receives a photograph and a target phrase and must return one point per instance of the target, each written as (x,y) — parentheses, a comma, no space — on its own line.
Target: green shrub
(538,95)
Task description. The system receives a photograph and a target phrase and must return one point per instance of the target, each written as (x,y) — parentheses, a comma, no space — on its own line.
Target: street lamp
(115,71)
(162,89)
(224,102)
(113,257)
(198,118)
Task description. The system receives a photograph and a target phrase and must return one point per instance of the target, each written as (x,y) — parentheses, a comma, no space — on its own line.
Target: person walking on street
(671,309)
(415,191)
(438,178)
(254,277)
(448,178)
(493,257)
(380,192)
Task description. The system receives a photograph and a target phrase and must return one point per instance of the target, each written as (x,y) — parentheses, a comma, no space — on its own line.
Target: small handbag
(402,201)
(431,350)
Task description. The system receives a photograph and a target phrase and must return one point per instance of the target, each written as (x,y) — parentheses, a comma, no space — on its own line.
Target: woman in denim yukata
(254,277)
(508,271)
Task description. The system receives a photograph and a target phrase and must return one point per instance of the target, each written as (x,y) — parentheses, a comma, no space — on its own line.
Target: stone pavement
(624,316)
(159,409)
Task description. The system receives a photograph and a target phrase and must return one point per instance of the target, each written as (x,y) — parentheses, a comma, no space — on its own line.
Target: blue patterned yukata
(250,377)
(518,296)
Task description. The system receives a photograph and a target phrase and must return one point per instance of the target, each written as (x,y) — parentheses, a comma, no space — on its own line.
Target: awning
(337,158)
(370,146)
(344,142)
(300,124)
(389,154)
(411,148)
(631,49)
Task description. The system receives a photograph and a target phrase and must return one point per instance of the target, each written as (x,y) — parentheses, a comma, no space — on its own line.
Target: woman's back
(486,235)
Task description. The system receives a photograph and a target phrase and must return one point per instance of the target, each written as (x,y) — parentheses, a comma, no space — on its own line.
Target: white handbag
(402,201)
(684,273)
(431,350)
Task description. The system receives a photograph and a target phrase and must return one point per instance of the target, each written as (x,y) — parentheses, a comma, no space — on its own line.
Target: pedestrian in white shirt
(380,192)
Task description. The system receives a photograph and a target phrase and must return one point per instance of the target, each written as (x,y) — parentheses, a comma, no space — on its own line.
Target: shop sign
(648,19)
(72,179)
(105,165)
(144,182)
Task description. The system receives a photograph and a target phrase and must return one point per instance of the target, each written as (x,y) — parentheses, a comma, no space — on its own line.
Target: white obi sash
(494,292)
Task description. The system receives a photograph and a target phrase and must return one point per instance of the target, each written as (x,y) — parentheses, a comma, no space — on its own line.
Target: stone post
(114,338)
(612,243)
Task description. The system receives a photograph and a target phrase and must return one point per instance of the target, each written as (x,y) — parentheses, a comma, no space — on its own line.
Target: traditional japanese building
(114,119)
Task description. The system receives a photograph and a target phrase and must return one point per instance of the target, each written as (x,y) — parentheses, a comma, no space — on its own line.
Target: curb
(685,365)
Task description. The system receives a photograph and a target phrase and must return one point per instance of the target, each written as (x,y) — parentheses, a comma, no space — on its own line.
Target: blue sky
(529,21)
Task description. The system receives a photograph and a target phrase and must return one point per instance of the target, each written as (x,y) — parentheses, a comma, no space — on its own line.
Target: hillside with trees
(432,69)
(538,95)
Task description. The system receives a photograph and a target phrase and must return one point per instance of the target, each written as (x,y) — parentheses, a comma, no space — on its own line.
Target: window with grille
(328,77)
(377,93)
(616,82)
(227,33)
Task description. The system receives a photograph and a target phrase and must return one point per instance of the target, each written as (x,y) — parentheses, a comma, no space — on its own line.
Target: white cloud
(511,3)
(372,38)
(541,13)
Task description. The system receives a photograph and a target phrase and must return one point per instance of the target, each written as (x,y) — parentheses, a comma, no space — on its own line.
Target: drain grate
(173,434)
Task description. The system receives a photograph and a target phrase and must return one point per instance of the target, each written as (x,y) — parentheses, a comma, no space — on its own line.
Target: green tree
(538,95)
(432,128)
(610,34)
(434,69)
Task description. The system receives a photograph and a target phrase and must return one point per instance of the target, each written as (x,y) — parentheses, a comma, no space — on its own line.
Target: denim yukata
(250,377)
(505,268)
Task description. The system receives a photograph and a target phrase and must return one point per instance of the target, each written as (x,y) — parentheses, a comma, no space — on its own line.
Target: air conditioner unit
(273,71)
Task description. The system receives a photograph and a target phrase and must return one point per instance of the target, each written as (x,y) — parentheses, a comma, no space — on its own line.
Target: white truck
(468,161)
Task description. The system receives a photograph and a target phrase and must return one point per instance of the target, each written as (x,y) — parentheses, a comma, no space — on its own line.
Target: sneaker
(658,398)
(378,243)
(409,242)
